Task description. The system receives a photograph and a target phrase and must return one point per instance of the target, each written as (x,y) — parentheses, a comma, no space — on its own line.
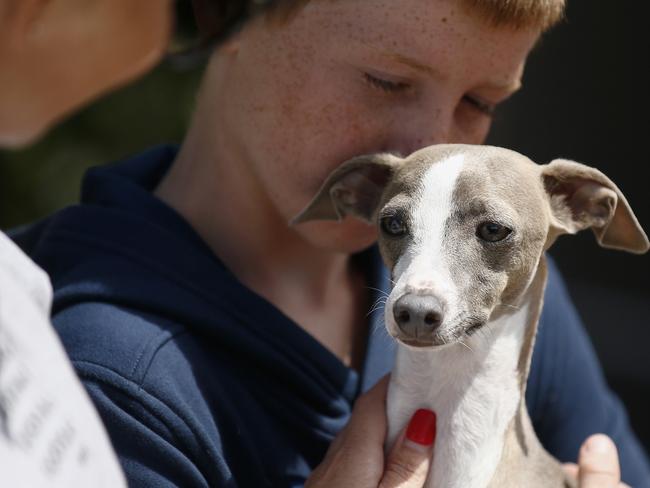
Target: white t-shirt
(50,433)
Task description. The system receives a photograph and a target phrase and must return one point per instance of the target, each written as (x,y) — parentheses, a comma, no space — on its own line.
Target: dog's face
(462,229)
(462,233)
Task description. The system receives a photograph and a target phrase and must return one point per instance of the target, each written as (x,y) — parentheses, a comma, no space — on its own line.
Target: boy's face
(345,78)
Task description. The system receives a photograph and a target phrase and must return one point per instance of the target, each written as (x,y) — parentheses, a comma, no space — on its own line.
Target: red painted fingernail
(422,427)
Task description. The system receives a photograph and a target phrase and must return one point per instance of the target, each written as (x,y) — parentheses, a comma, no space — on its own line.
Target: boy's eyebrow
(509,87)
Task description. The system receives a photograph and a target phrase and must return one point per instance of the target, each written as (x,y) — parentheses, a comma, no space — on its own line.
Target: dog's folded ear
(354,189)
(582,197)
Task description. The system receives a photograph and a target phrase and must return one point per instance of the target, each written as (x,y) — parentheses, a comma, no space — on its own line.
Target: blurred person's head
(310,84)
(56,55)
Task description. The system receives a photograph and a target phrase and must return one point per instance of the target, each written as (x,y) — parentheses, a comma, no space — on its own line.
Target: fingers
(571,469)
(356,457)
(409,462)
(367,424)
(598,463)
(370,409)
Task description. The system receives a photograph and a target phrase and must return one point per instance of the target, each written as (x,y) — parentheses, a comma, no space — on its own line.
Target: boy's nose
(422,125)
(418,316)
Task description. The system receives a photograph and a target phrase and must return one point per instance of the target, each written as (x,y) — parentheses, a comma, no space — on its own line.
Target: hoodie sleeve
(155,446)
(567,395)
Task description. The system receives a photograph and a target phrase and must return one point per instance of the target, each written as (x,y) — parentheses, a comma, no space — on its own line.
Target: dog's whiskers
(379,303)
(488,330)
(509,306)
(383,293)
(484,334)
(463,344)
(372,311)
(375,309)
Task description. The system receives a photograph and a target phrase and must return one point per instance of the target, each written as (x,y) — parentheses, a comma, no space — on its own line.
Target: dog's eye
(393,225)
(492,231)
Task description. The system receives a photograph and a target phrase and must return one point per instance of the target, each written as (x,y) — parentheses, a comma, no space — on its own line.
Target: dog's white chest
(475,396)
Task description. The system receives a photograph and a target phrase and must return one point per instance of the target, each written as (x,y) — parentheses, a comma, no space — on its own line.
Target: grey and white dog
(463,230)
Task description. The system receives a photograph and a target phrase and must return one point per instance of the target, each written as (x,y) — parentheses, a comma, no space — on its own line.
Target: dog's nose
(418,315)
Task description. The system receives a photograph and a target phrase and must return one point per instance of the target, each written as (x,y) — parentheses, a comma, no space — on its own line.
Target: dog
(463,230)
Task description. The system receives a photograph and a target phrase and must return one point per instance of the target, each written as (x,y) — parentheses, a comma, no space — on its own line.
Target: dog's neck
(476,391)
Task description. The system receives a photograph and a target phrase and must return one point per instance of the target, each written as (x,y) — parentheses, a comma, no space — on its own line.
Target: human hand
(597,464)
(356,457)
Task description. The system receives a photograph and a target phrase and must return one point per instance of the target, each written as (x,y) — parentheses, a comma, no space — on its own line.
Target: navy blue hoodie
(201,382)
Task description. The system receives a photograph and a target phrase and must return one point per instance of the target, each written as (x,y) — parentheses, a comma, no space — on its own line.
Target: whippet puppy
(463,230)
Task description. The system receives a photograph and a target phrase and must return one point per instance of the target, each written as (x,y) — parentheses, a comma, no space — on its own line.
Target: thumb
(598,461)
(409,461)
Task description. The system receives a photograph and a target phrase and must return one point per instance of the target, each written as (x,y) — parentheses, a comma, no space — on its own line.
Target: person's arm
(50,434)
(157,448)
(154,446)
(567,395)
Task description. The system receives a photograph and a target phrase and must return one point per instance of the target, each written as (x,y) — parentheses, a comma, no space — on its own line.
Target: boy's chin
(348,236)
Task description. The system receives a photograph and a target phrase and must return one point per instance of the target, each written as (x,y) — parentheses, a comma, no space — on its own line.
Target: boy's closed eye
(386,85)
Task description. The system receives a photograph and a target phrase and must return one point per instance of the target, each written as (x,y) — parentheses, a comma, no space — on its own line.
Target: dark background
(586,97)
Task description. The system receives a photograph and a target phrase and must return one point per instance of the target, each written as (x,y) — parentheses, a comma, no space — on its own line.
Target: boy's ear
(354,188)
(582,197)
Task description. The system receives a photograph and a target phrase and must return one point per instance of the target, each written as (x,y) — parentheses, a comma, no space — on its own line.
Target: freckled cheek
(298,161)
(334,135)
(303,135)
